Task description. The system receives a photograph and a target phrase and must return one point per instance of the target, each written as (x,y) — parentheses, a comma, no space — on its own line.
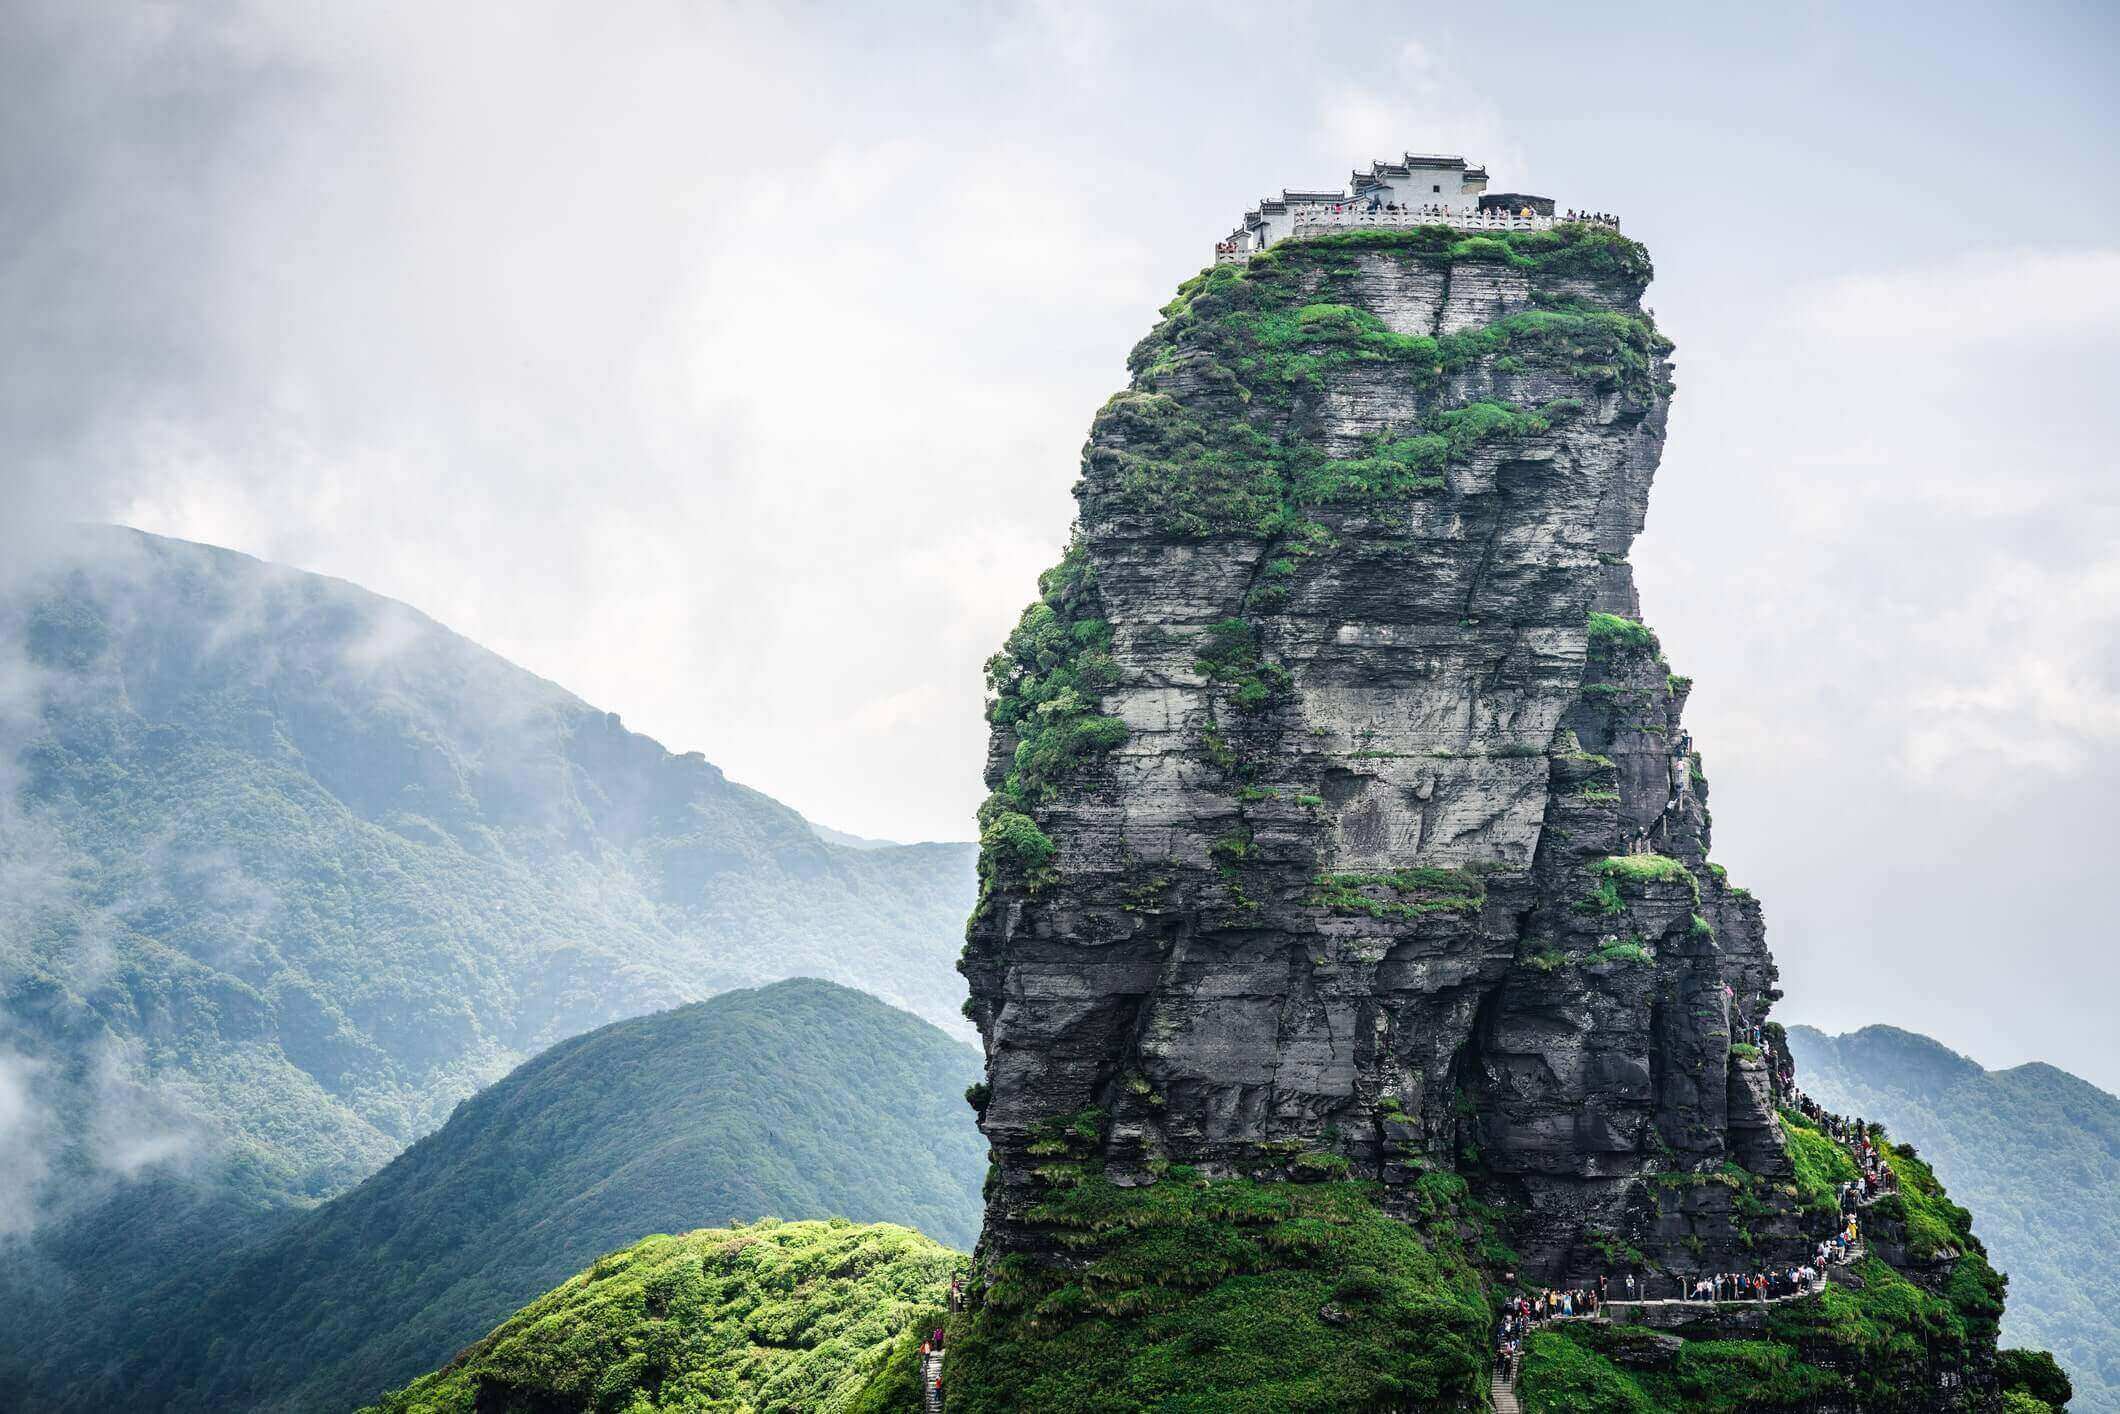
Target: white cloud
(1420,103)
(2009,294)
(26,1136)
(2024,677)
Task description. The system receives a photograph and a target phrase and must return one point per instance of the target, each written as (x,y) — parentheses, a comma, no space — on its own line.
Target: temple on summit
(1418,189)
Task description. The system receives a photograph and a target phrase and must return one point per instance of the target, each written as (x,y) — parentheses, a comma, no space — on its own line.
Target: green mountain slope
(288,869)
(798,1100)
(2034,1151)
(818,1317)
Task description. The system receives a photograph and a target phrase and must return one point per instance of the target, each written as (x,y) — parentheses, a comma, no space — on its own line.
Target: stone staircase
(1502,1390)
(930,1372)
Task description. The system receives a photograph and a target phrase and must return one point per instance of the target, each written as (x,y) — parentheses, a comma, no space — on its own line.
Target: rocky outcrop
(1403,856)
(1344,826)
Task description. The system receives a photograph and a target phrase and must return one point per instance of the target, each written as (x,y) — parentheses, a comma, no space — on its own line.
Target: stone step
(931,1371)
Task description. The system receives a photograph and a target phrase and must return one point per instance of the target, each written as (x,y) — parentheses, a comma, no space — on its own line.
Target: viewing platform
(1326,220)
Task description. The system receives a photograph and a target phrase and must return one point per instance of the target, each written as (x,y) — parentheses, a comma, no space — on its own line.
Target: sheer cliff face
(1400,856)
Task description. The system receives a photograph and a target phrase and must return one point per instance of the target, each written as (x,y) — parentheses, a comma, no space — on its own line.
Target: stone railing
(1323,220)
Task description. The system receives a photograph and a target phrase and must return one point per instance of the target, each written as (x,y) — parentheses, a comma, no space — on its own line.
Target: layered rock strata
(1412,866)
(1344,824)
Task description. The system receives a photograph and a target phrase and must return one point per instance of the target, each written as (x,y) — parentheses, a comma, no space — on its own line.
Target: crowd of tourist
(1339,212)
(1759,1286)
(1377,206)
(1876,1178)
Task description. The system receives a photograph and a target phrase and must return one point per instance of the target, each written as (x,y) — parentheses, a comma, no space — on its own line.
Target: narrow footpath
(1502,1388)
(931,1381)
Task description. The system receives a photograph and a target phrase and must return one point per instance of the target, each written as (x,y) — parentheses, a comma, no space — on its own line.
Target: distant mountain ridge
(797,1100)
(288,869)
(2033,1150)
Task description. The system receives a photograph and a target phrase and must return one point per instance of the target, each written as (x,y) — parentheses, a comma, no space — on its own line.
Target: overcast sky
(729,365)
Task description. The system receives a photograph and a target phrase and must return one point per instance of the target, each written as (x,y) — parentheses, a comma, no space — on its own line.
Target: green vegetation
(1611,636)
(1411,892)
(1935,1225)
(1045,683)
(1637,870)
(1634,871)
(1013,841)
(1584,1370)
(801,1099)
(1229,653)
(1886,1334)
(1565,252)
(298,865)
(1233,460)
(769,1315)
(2032,1150)
(1821,1165)
(1628,950)
(2034,1376)
(1232,1296)
(1603,900)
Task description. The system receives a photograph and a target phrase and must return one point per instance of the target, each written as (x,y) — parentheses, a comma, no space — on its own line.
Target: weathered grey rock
(1444,709)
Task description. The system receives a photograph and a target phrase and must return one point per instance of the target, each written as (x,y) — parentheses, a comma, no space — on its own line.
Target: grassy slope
(1232,1296)
(810,1316)
(2034,1151)
(799,1100)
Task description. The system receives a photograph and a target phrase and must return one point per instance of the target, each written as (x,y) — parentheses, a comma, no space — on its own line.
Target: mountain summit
(1349,957)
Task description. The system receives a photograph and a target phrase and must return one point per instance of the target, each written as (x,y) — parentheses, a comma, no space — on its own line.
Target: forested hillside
(780,1316)
(290,870)
(2033,1151)
(798,1100)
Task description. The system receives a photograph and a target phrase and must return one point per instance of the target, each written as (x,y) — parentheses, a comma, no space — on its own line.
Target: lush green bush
(1567,250)
(1611,635)
(1229,653)
(805,1315)
(2034,1374)
(1046,679)
(1014,839)
(1045,686)
(1637,870)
